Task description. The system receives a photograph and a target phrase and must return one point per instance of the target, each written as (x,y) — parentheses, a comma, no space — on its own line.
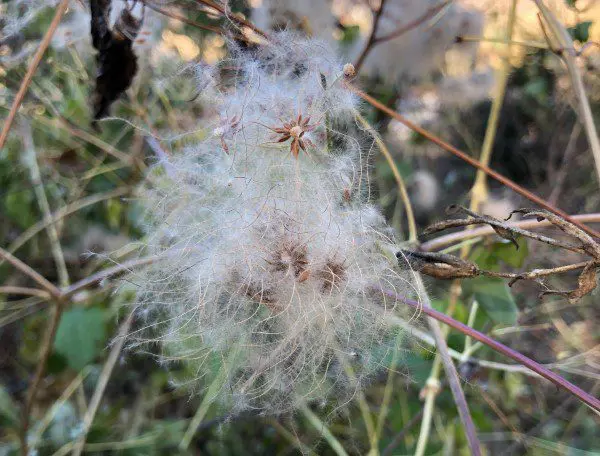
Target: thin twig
(102,382)
(450,239)
(500,348)
(233,17)
(463,156)
(38,187)
(314,420)
(40,369)
(400,434)
(479,190)
(62,213)
(412,226)
(24,291)
(374,40)
(483,39)
(37,58)
(27,270)
(371,40)
(185,20)
(518,368)
(431,12)
(105,274)
(453,382)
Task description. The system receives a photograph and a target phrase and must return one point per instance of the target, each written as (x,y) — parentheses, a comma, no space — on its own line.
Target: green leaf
(81,336)
(510,255)
(489,256)
(114,210)
(18,204)
(581,31)
(495,298)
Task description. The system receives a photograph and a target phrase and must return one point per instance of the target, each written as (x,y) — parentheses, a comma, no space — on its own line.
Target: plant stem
(566,46)
(433,385)
(40,369)
(463,156)
(479,190)
(27,270)
(449,239)
(412,226)
(371,40)
(37,58)
(314,420)
(501,348)
(102,382)
(38,187)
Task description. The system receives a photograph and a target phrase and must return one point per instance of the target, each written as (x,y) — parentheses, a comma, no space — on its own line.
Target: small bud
(349,71)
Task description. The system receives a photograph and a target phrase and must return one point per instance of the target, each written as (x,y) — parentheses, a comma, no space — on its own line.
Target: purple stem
(497,346)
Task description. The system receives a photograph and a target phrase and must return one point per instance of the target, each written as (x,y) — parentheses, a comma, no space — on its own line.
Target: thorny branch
(444,266)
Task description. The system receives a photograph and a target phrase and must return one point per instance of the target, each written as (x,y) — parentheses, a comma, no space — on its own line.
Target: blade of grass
(314,420)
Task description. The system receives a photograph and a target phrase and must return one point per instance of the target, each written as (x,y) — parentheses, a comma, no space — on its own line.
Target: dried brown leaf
(587,283)
(439,265)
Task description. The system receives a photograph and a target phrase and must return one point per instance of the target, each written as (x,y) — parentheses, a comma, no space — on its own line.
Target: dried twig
(28,271)
(452,238)
(443,266)
(374,40)
(241,22)
(501,228)
(10,290)
(40,369)
(453,382)
(402,192)
(371,40)
(62,213)
(38,187)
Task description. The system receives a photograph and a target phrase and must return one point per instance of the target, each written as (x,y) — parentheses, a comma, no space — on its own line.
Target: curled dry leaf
(586,284)
(439,265)
(117,63)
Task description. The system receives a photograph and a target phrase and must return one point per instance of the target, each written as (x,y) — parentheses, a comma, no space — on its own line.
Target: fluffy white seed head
(272,267)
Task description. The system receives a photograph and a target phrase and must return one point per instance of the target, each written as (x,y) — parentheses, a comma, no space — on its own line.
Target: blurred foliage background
(89,178)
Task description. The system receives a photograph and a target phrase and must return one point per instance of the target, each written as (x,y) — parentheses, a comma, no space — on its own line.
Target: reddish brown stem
(463,156)
(413,24)
(371,40)
(238,20)
(37,58)
(501,348)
